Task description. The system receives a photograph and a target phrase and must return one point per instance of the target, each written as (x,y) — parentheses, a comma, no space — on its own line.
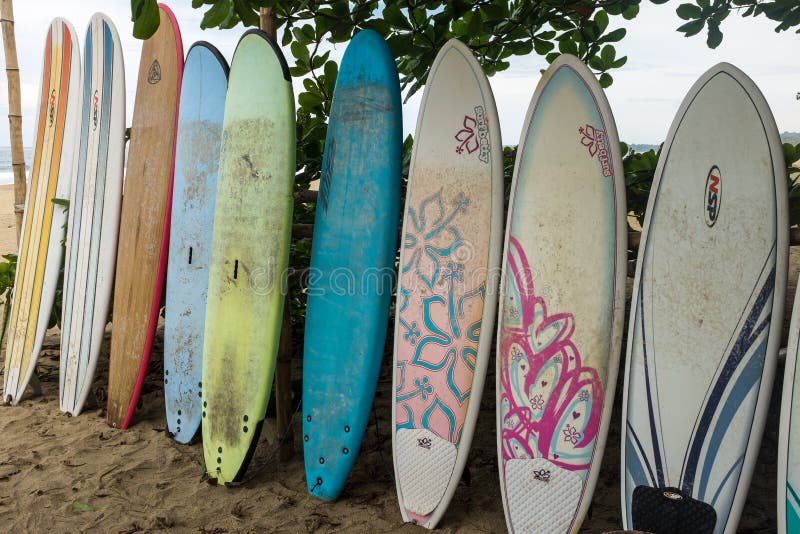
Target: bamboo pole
(283,365)
(14,110)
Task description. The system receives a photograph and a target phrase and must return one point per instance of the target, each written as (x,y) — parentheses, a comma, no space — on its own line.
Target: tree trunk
(14,110)
(267,22)
(283,366)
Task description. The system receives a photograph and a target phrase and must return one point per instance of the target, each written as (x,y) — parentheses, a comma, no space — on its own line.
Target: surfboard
(249,254)
(352,261)
(447,285)
(202,103)
(788,450)
(40,250)
(93,221)
(562,300)
(144,226)
(706,311)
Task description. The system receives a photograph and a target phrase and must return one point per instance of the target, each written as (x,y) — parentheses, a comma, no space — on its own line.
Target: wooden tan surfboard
(144,234)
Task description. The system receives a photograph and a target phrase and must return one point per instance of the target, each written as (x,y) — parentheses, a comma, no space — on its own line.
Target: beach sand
(70,474)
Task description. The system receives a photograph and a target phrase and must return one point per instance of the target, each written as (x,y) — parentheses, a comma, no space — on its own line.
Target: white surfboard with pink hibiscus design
(447,287)
(562,300)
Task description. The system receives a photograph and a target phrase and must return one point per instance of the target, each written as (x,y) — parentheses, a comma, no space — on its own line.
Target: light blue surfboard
(205,83)
(352,262)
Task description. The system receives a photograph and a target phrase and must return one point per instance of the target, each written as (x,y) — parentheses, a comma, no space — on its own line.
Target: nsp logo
(713,195)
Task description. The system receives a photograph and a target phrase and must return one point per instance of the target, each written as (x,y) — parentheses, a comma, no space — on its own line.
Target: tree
(708,14)
(496,30)
(14,109)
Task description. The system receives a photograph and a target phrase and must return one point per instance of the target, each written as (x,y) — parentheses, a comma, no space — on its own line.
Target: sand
(71,474)
(8,231)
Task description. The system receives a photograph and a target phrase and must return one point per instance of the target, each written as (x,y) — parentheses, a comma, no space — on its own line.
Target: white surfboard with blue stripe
(789,433)
(94,213)
(706,312)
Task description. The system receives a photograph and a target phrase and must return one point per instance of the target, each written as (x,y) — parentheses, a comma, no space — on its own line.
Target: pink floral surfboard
(562,301)
(446,296)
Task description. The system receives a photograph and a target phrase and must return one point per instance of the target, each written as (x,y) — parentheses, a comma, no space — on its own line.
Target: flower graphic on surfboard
(447,284)
(439,324)
(550,403)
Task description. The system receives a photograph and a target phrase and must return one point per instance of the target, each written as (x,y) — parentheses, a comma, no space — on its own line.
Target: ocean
(6,174)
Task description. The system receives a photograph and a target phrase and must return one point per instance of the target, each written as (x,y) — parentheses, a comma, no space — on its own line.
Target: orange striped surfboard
(41,249)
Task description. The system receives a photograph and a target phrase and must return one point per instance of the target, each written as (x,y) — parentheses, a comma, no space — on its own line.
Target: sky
(662,65)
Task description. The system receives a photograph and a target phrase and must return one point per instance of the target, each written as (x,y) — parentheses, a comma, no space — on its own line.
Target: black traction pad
(670,511)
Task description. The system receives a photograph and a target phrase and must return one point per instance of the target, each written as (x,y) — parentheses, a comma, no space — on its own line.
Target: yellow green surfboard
(249,254)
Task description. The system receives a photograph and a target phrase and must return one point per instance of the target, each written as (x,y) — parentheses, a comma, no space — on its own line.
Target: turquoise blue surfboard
(352,262)
(202,105)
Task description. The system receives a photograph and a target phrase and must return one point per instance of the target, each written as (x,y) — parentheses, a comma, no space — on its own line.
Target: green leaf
(608,54)
(63,202)
(309,100)
(606,80)
(520,48)
(323,24)
(331,70)
(401,44)
(297,71)
(596,63)
(790,153)
(601,19)
(81,507)
(689,11)
(379,25)
(568,46)
(714,35)
(247,14)
(395,17)
(145,17)
(308,32)
(309,85)
(692,28)
(300,52)
(495,10)
(299,37)
(217,15)
(474,22)
(542,47)
(631,12)
(613,37)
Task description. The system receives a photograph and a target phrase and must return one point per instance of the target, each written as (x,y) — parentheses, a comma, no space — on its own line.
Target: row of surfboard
(704,324)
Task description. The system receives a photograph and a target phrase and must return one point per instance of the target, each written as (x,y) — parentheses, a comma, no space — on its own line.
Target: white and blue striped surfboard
(706,314)
(94,213)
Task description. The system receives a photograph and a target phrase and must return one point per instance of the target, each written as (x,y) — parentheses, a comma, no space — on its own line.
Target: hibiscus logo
(474,135)
(594,139)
